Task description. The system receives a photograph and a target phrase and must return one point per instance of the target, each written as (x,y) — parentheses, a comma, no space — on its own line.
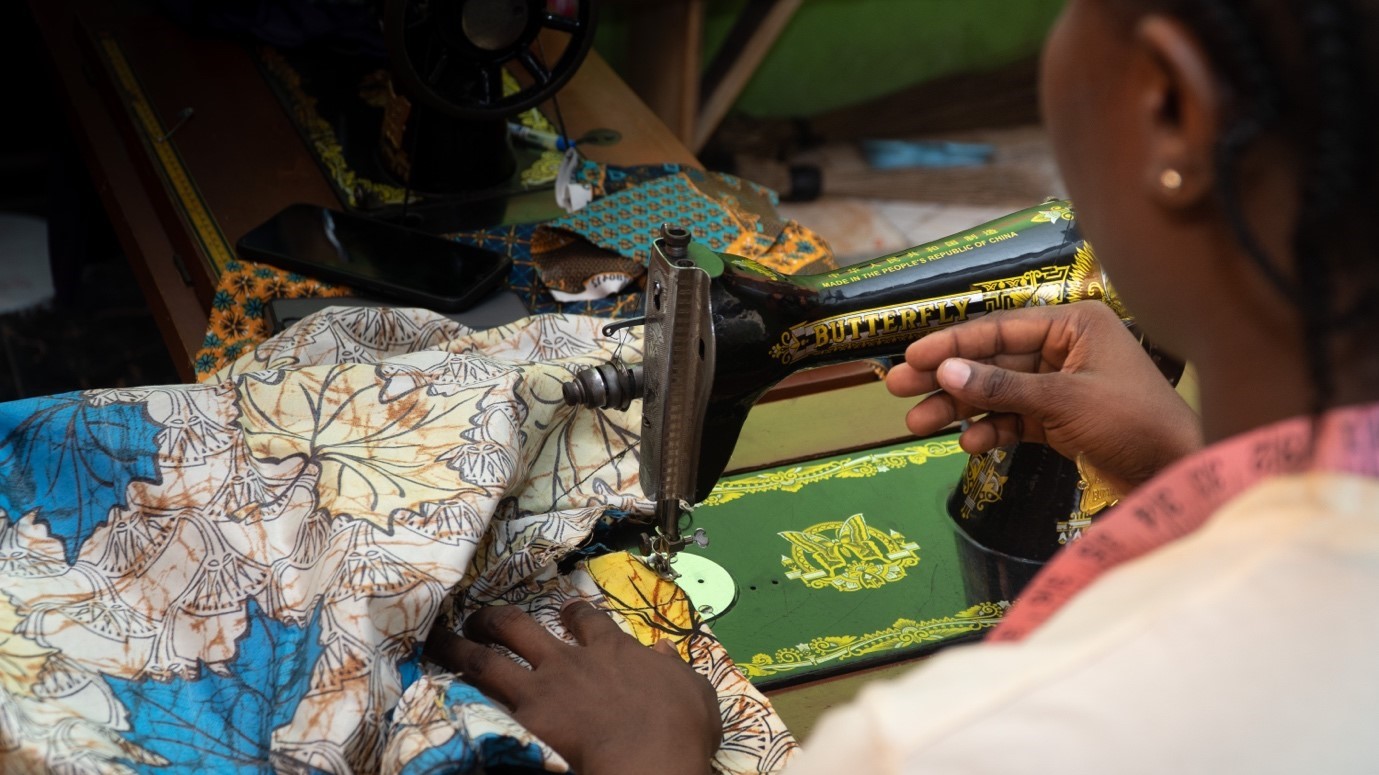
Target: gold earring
(1171,179)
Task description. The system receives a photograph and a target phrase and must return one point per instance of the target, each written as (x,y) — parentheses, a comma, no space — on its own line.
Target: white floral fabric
(237,575)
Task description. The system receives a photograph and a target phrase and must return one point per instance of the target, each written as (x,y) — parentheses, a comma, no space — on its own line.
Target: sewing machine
(720,330)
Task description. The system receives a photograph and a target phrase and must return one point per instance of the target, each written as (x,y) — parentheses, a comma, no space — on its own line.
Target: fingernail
(954,373)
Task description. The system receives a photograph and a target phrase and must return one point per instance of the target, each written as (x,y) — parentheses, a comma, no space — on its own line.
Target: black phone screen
(387,259)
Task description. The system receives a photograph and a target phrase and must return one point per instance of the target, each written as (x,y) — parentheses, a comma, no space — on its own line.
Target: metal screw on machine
(699,538)
(615,385)
(675,240)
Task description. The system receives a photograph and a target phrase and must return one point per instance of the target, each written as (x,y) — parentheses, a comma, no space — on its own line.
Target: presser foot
(658,549)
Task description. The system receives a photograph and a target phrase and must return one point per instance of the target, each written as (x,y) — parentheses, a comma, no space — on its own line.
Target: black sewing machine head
(720,330)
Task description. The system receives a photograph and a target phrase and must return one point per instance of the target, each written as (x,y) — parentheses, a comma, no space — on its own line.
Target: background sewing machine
(178,199)
(410,111)
(873,555)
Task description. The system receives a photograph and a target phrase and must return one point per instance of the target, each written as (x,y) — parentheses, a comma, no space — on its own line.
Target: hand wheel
(450,54)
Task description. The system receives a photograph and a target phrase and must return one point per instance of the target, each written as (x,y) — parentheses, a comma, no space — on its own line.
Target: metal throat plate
(710,588)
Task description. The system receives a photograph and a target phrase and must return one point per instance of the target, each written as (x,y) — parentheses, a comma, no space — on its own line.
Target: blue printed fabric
(236,576)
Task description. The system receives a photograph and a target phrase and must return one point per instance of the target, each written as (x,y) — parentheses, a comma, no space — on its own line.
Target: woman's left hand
(608,705)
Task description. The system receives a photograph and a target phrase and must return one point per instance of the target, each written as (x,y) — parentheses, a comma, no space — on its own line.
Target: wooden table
(175,202)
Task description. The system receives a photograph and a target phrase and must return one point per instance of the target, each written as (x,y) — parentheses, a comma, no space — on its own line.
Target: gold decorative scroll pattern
(848,556)
(905,632)
(983,481)
(796,478)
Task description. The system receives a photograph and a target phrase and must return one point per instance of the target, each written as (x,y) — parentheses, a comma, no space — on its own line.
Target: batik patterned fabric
(239,318)
(603,247)
(239,309)
(236,575)
(605,179)
(239,321)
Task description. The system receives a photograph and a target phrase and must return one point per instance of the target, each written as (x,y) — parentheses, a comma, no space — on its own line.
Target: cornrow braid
(1261,102)
(1332,174)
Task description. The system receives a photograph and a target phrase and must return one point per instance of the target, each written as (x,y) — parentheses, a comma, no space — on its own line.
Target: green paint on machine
(844,563)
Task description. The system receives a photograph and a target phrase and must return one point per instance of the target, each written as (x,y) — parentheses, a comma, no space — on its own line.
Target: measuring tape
(169,162)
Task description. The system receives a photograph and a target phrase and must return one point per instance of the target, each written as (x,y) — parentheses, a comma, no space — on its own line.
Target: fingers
(514,628)
(665,646)
(1021,332)
(492,673)
(997,430)
(937,412)
(996,389)
(904,380)
(991,430)
(1019,340)
(589,624)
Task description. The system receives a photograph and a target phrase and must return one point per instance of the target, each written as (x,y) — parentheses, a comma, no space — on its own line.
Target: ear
(1181,108)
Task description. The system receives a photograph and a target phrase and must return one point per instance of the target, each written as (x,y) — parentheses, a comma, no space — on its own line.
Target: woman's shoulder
(1286,539)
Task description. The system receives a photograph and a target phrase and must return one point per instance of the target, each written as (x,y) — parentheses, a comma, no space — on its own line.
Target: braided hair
(1295,69)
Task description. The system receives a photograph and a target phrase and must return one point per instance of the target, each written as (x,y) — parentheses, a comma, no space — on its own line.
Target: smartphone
(390,261)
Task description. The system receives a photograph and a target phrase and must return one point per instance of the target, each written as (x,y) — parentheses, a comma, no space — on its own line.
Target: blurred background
(72,316)
(882,123)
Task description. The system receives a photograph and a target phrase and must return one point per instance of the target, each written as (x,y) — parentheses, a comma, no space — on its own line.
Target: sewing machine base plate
(847,562)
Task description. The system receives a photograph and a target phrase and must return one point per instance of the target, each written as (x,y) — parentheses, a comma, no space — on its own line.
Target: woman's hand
(1069,376)
(608,705)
